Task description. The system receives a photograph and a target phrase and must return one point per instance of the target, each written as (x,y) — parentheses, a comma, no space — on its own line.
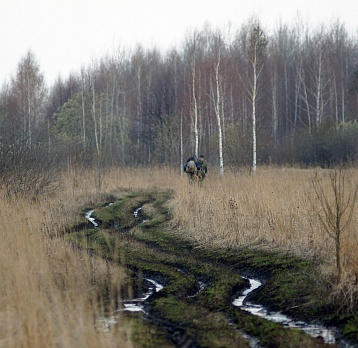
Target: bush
(327,146)
(27,171)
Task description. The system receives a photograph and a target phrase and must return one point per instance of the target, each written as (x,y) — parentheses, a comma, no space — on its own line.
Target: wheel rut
(195,306)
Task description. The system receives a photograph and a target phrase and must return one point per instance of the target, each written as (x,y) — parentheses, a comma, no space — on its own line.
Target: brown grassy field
(48,290)
(276,209)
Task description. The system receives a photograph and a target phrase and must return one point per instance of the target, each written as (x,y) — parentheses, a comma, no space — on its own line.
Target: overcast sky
(67,34)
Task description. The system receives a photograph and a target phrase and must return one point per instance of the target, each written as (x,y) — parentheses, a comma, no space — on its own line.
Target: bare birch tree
(83,109)
(314,80)
(29,88)
(195,111)
(217,97)
(274,96)
(257,42)
(192,88)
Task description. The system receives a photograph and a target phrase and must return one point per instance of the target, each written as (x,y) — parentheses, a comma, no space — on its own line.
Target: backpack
(191,167)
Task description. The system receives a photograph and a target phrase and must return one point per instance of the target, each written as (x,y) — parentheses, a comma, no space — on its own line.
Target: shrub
(27,171)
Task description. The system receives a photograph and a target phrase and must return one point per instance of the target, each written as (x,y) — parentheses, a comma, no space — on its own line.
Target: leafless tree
(255,54)
(133,103)
(217,93)
(337,205)
(29,89)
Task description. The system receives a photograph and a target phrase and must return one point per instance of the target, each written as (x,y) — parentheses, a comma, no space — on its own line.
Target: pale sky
(65,35)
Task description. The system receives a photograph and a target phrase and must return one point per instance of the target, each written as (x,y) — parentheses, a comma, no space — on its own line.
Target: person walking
(203,167)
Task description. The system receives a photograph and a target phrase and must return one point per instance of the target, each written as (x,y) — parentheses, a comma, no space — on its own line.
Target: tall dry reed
(274,209)
(48,290)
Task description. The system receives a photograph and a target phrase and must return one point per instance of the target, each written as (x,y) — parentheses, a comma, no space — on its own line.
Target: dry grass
(275,209)
(269,209)
(48,290)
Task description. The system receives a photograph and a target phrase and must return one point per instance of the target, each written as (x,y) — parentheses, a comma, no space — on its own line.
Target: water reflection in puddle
(134,305)
(311,329)
(91,219)
(202,286)
(136,214)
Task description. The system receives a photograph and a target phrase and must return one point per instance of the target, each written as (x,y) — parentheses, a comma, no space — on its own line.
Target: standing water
(314,330)
(130,305)
(311,329)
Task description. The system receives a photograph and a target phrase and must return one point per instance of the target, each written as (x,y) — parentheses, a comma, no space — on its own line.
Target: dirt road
(195,306)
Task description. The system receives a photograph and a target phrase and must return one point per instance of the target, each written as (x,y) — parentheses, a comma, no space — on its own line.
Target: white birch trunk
(181,145)
(83,114)
(319,91)
(29,110)
(306,101)
(139,105)
(274,106)
(218,117)
(94,117)
(196,131)
(100,124)
(254,96)
(254,150)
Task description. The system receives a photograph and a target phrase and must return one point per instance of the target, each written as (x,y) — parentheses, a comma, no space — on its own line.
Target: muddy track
(194,309)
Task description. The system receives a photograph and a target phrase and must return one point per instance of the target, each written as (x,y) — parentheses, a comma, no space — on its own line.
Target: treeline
(288,96)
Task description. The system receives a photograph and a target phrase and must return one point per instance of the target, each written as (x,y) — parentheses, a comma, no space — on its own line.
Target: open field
(50,293)
(276,209)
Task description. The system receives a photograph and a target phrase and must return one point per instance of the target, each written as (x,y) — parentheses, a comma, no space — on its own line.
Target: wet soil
(194,308)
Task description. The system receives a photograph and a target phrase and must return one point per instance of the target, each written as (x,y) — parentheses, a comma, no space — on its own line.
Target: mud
(204,301)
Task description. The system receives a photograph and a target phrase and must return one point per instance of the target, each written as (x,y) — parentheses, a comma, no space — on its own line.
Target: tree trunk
(254,96)
(196,131)
(218,116)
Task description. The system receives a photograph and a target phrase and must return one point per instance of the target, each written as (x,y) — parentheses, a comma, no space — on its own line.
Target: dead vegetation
(49,290)
(276,209)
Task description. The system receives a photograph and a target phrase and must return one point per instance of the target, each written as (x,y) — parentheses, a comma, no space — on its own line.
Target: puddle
(202,286)
(134,305)
(328,335)
(136,214)
(90,218)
